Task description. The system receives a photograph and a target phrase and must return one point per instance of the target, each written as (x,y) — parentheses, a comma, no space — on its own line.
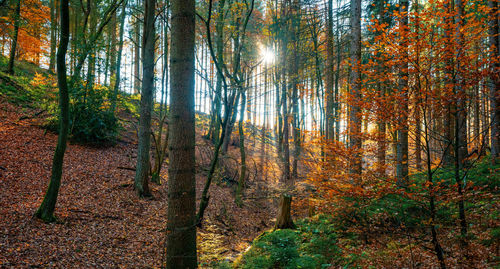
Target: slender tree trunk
(449,70)
(13,46)
(112,54)
(432,206)
(330,119)
(46,209)
(233,103)
(294,77)
(286,176)
(160,143)
(402,144)
(243,167)
(355,142)
(337,78)
(461,151)
(53,36)
(216,119)
(137,56)
(477,119)
(181,212)
(418,90)
(494,83)
(148,65)
(116,86)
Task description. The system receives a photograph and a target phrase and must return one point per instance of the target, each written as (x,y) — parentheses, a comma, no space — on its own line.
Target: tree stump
(284,219)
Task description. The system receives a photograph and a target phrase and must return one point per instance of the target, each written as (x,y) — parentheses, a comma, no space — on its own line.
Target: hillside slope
(102,221)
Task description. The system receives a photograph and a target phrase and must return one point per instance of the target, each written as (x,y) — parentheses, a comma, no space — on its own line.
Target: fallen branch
(126,168)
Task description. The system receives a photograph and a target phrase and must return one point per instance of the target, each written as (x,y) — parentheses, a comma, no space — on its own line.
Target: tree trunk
(53,36)
(243,167)
(355,142)
(181,212)
(13,46)
(216,119)
(449,70)
(330,119)
(432,206)
(137,56)
(233,103)
(494,83)
(46,209)
(461,151)
(294,77)
(418,90)
(160,143)
(284,219)
(112,56)
(116,85)
(148,65)
(402,133)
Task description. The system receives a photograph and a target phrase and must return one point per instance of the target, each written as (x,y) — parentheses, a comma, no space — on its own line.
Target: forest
(249,134)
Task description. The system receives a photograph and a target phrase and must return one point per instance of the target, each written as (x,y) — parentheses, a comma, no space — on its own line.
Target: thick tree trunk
(13,46)
(284,218)
(46,209)
(148,65)
(181,213)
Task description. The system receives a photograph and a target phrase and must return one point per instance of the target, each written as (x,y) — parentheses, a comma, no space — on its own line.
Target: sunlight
(267,55)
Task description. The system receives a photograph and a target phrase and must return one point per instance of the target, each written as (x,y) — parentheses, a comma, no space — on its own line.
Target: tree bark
(137,56)
(243,167)
(116,86)
(146,107)
(355,142)
(53,36)
(330,119)
(494,83)
(461,151)
(13,46)
(46,209)
(402,133)
(284,218)
(181,213)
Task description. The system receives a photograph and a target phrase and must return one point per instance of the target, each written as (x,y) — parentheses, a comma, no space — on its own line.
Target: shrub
(91,121)
(312,245)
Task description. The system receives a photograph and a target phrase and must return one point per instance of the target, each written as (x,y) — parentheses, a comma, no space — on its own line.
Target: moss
(311,245)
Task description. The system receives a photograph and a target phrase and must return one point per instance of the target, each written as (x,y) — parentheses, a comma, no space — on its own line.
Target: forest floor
(102,223)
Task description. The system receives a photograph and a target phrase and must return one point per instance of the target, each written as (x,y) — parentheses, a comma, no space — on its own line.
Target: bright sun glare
(267,55)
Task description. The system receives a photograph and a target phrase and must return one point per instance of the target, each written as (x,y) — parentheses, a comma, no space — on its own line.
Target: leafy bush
(91,121)
(312,245)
